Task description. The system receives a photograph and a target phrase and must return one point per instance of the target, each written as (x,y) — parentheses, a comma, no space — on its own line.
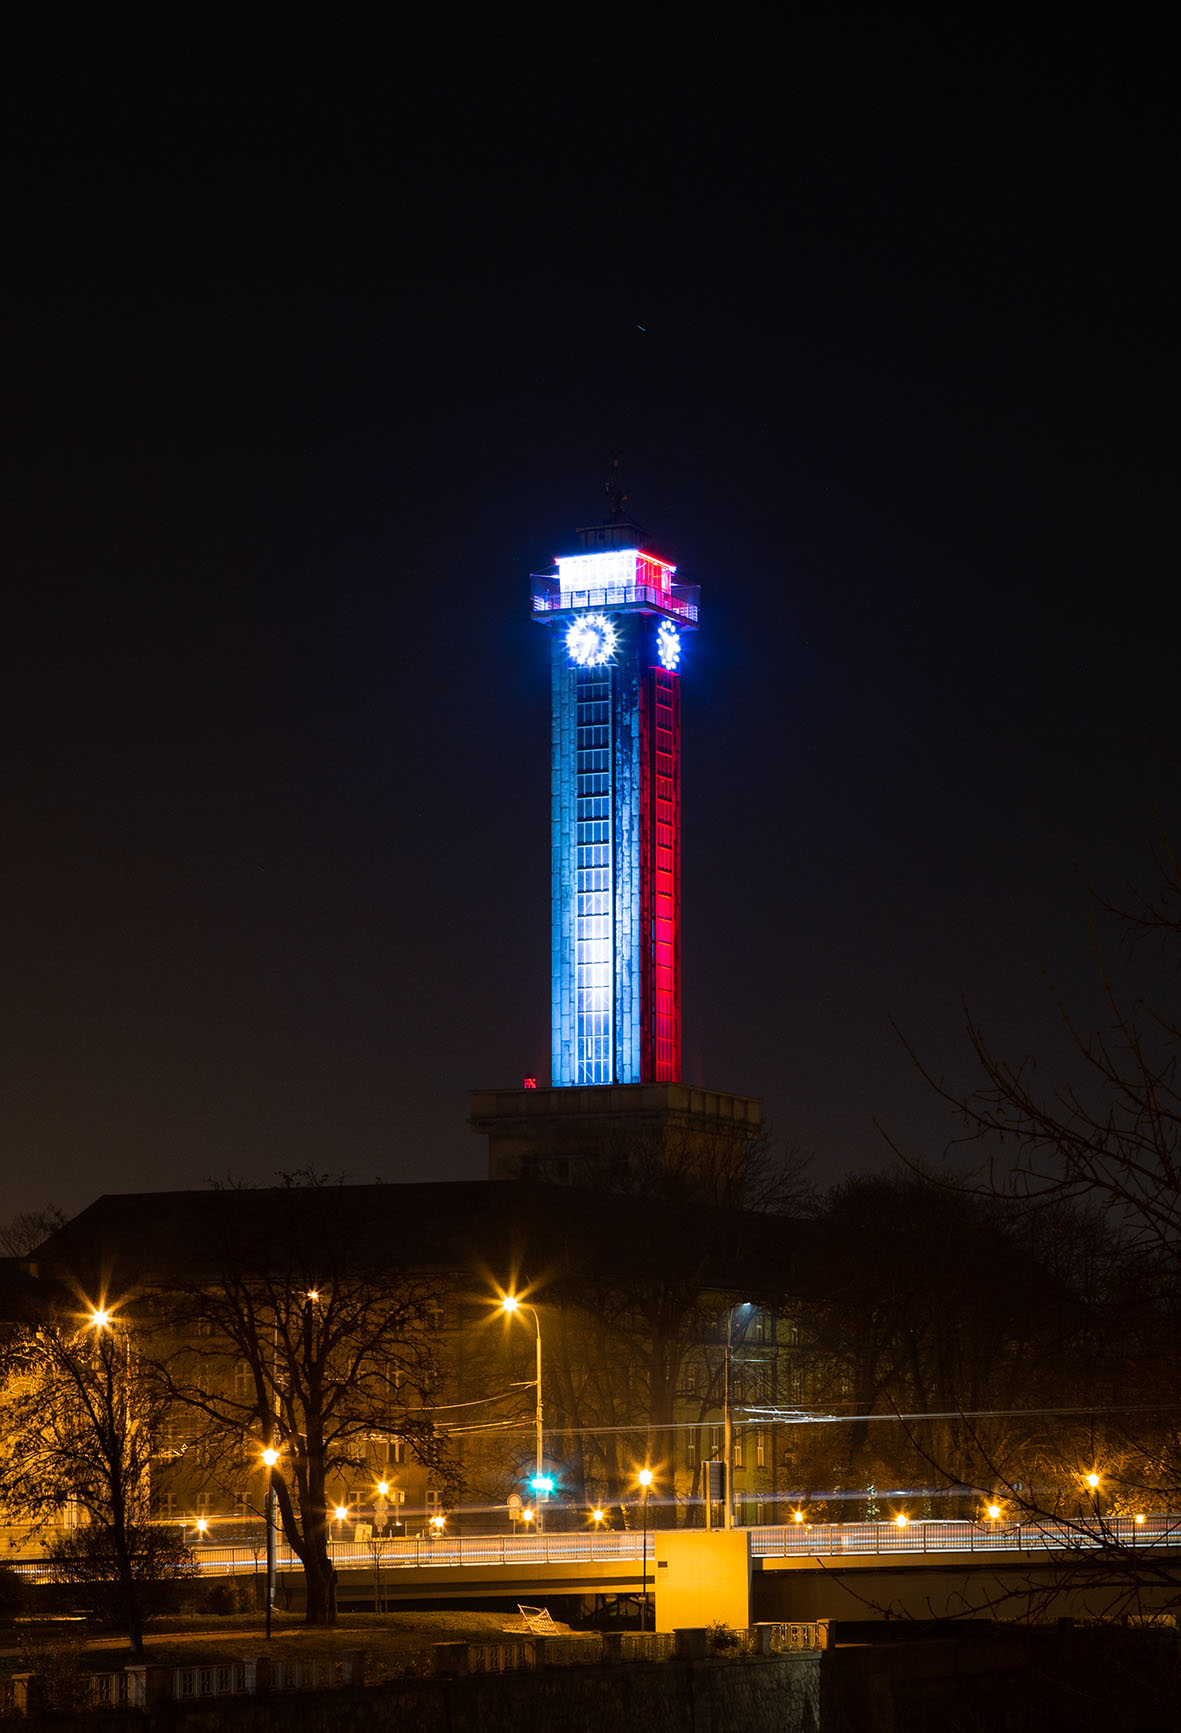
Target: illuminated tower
(617,620)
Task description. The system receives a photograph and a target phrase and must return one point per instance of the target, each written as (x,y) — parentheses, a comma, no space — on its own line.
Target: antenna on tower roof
(615,491)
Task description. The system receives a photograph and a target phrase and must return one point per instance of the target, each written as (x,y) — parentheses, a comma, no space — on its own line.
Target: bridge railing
(789,1540)
(827,1540)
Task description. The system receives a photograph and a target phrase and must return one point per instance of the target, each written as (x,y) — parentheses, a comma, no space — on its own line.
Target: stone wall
(1008,1680)
(779,1694)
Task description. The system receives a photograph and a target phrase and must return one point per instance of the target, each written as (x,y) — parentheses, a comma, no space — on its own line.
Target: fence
(826,1540)
(136,1687)
(625,1647)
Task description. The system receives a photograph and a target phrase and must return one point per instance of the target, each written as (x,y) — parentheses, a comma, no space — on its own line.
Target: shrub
(161,1565)
(14,1593)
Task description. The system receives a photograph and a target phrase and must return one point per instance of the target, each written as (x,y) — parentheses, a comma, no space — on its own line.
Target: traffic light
(715,1473)
(542,1483)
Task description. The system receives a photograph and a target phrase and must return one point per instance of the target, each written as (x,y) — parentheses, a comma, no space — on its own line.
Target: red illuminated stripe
(660,876)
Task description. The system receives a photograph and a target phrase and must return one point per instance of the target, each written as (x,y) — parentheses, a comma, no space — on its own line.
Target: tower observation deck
(618,620)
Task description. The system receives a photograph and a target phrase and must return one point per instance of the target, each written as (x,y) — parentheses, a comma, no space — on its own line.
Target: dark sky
(321,327)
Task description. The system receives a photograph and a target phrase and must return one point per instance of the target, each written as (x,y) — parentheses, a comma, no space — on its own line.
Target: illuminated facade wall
(617,619)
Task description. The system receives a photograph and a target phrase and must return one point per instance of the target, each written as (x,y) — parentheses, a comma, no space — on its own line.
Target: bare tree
(25,1232)
(1103,1136)
(80,1420)
(313,1340)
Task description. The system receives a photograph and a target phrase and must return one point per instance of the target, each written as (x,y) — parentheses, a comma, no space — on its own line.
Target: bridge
(799,1570)
(470,1554)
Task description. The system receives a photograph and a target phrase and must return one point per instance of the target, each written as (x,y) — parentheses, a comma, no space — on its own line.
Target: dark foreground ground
(395,1643)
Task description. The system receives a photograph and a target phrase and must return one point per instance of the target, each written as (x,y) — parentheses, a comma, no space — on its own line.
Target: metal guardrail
(828,1540)
(552,600)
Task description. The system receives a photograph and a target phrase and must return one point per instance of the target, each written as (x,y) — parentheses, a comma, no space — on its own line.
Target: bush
(14,1593)
(237,1595)
(60,1684)
(161,1565)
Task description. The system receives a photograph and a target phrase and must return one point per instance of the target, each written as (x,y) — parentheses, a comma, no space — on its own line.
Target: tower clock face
(590,640)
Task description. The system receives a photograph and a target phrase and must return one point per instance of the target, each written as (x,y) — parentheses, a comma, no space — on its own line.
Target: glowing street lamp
(526,1515)
(437,1523)
(993,1512)
(728,1415)
(202,1526)
(269,1458)
(645,1479)
(901,1519)
(797,1516)
(541,1482)
(598,1517)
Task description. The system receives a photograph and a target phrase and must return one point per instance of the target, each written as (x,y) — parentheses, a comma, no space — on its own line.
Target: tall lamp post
(645,1479)
(512,1305)
(728,1415)
(270,1456)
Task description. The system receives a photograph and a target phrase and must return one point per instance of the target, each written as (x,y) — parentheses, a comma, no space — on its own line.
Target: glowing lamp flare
(591,640)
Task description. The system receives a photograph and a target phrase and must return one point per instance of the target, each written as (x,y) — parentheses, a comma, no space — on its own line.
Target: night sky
(321,327)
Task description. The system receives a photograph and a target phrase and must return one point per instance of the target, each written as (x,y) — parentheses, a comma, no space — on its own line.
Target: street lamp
(645,1479)
(511,1304)
(728,1415)
(1093,1484)
(270,1456)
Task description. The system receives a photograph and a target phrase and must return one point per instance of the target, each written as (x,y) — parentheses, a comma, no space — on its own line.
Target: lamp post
(728,1415)
(1094,1484)
(270,1456)
(511,1305)
(645,1479)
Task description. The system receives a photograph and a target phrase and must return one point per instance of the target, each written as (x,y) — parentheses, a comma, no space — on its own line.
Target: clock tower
(618,622)
(620,626)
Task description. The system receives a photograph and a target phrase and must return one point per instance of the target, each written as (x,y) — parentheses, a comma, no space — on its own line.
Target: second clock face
(590,640)
(668,645)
